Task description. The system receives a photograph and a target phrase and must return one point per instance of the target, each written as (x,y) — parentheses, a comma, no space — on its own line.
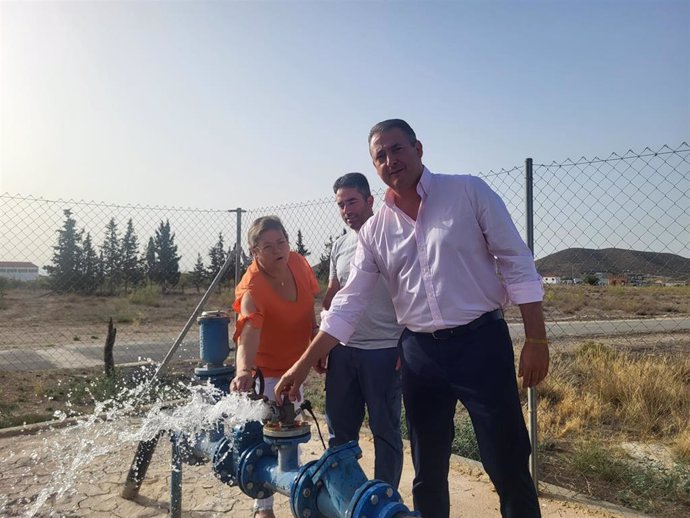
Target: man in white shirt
(453,259)
(365,371)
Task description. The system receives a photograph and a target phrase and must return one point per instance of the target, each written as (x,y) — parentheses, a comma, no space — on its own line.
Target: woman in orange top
(276,298)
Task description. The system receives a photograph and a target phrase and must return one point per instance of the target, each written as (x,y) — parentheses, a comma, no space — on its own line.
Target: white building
(552,279)
(19,271)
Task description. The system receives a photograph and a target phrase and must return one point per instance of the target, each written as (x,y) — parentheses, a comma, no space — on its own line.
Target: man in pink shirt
(452,259)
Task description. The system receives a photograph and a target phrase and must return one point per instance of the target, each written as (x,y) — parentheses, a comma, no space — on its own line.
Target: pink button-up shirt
(461,258)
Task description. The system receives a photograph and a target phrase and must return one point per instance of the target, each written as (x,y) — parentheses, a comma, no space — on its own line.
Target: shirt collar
(423,188)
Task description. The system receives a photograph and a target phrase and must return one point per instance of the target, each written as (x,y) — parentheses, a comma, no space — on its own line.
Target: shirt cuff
(336,327)
(526,292)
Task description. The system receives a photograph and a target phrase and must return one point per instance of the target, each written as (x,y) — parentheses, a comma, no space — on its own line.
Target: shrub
(146,296)
(121,313)
(100,388)
(592,459)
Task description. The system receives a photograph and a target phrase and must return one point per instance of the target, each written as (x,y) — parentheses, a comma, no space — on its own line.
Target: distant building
(19,271)
(618,280)
(636,279)
(551,279)
(603,278)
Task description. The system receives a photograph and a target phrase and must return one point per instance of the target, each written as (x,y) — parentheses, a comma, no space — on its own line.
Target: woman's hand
(243,382)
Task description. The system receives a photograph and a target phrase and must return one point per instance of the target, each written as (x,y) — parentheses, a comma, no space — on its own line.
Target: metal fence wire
(67,267)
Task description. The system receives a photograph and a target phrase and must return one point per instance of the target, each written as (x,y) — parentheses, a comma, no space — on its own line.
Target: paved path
(31,464)
(91,355)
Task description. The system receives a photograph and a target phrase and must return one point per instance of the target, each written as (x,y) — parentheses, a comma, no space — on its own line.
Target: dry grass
(598,397)
(584,301)
(681,447)
(568,302)
(598,386)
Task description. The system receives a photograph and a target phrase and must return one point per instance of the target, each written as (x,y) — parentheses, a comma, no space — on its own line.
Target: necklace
(274,278)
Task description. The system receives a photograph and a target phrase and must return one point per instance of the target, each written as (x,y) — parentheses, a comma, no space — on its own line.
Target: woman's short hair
(261,225)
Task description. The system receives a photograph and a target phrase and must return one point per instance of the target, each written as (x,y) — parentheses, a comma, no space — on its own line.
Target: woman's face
(271,248)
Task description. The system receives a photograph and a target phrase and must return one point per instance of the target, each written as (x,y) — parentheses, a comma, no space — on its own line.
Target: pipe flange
(376,498)
(222,463)
(249,482)
(334,457)
(299,429)
(304,492)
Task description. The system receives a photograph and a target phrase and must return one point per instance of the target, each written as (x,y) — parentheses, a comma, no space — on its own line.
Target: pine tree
(167,261)
(198,274)
(129,258)
(64,272)
(217,255)
(90,268)
(300,248)
(150,261)
(112,264)
(322,268)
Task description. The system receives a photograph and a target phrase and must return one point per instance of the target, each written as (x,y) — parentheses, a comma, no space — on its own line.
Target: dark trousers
(476,368)
(358,377)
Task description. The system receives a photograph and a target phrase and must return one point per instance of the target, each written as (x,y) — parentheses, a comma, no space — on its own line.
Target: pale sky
(219,105)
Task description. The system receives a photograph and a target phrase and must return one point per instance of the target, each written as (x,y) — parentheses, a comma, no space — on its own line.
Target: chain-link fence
(600,228)
(67,267)
(618,223)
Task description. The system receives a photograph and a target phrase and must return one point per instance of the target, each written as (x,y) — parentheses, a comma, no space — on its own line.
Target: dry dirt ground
(35,318)
(30,469)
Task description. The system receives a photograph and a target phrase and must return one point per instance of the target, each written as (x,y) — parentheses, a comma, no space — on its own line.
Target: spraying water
(65,453)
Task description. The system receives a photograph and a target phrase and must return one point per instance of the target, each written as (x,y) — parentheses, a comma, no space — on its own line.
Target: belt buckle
(442,334)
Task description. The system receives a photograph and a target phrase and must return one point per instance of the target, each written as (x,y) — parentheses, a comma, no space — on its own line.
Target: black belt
(445,334)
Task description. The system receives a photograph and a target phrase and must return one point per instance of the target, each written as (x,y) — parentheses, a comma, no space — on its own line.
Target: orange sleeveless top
(285,325)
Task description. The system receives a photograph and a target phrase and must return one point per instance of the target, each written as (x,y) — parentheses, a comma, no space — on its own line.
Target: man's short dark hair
(353,180)
(391,124)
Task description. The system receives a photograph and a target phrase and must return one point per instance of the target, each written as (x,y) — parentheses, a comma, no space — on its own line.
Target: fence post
(531,391)
(238,243)
(238,258)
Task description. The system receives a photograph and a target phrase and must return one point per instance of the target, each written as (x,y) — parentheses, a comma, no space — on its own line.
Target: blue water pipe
(262,458)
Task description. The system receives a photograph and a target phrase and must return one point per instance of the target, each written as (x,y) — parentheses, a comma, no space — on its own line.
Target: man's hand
(292,380)
(294,377)
(534,362)
(322,365)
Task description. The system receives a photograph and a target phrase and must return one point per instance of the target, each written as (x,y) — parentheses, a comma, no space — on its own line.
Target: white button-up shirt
(461,258)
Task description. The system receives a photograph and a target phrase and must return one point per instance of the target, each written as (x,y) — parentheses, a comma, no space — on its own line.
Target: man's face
(354,208)
(397,161)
